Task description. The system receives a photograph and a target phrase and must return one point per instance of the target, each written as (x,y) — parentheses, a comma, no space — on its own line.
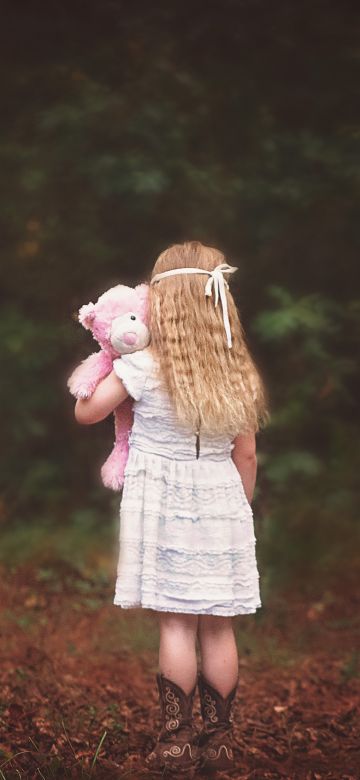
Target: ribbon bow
(216,281)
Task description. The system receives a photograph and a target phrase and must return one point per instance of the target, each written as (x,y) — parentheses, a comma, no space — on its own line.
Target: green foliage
(119,137)
(280,469)
(311,316)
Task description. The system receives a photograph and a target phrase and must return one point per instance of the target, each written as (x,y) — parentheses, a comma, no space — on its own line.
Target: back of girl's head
(211,385)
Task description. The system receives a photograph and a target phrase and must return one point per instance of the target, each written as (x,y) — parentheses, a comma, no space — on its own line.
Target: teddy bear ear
(142,291)
(87,315)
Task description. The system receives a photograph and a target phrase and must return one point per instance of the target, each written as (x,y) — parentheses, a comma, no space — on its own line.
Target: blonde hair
(212,386)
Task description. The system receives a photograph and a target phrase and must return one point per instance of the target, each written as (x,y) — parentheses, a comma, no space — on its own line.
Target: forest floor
(77,683)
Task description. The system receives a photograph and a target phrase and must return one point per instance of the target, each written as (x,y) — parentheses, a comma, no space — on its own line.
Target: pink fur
(112,472)
(113,303)
(97,317)
(89,373)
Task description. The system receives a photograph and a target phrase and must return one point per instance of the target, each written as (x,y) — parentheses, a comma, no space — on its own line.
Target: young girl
(187,542)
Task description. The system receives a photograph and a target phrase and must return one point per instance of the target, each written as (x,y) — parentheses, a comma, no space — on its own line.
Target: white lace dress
(187,541)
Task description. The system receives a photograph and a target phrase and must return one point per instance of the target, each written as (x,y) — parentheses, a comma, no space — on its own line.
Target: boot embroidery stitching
(177,751)
(210,708)
(172,709)
(215,754)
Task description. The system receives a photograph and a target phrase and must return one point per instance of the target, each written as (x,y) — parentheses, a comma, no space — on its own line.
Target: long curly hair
(212,387)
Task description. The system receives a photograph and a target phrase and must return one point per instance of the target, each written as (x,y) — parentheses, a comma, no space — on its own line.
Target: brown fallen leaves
(78,701)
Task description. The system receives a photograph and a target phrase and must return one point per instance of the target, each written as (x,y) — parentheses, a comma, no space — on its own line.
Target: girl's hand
(109,393)
(244,457)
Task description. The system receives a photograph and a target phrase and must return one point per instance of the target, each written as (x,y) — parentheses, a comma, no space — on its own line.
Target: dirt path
(78,696)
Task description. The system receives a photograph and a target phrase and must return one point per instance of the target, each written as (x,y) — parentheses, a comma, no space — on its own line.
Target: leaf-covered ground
(78,696)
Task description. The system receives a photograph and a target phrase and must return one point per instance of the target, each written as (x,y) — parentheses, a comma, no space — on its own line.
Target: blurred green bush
(122,132)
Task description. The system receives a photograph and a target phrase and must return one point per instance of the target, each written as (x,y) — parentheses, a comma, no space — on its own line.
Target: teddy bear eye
(132,317)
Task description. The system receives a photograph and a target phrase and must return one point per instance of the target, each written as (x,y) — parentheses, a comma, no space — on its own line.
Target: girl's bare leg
(177,651)
(219,655)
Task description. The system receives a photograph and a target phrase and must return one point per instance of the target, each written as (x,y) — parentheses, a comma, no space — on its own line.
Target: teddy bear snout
(129,338)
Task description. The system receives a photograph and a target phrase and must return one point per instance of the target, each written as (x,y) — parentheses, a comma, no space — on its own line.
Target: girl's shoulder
(143,359)
(134,370)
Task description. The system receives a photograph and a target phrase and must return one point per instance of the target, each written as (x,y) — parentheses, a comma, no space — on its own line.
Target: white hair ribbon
(216,281)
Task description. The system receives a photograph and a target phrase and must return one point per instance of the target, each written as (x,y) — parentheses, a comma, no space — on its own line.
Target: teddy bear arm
(86,376)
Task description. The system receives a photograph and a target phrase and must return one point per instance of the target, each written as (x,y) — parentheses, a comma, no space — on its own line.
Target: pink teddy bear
(119,323)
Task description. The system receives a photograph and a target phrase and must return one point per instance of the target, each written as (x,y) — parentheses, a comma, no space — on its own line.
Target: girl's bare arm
(244,457)
(109,393)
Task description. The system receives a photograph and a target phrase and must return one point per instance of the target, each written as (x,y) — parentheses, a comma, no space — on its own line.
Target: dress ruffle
(187,541)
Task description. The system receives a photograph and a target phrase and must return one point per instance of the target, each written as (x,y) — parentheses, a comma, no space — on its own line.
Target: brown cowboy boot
(215,740)
(174,749)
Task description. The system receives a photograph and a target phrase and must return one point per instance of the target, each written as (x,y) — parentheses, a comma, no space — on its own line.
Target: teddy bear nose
(129,337)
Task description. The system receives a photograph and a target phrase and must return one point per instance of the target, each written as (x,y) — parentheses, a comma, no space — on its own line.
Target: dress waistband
(203,456)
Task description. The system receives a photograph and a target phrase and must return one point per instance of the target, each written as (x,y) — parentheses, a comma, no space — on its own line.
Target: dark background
(126,127)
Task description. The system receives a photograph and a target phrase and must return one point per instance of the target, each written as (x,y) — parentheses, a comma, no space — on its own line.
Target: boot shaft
(216,710)
(215,750)
(174,749)
(176,705)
